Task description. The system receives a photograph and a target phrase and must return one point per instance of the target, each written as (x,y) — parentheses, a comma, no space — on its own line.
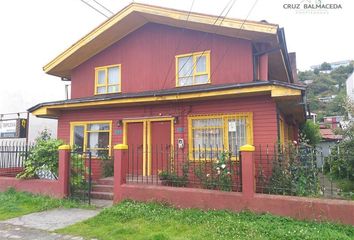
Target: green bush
(171,178)
(219,176)
(43,156)
(310,131)
(107,165)
(294,172)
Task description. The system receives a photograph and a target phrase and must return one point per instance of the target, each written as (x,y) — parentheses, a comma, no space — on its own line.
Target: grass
(14,204)
(347,188)
(153,221)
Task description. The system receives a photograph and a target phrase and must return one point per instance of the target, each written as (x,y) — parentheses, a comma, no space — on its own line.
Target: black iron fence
(301,170)
(12,157)
(203,167)
(80,176)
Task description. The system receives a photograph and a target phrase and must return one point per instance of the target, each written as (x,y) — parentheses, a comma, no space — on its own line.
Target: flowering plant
(217,174)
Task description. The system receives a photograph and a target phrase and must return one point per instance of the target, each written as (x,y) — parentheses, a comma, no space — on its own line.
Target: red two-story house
(155,76)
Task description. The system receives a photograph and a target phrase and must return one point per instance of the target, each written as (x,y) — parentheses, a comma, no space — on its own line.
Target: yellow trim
(106,85)
(147,148)
(64,147)
(161,13)
(120,147)
(84,124)
(275,91)
(225,117)
(247,148)
(194,57)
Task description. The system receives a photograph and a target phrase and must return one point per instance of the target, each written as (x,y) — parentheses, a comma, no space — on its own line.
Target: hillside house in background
(153,76)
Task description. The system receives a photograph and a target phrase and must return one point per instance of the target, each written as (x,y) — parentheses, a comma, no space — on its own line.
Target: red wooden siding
(263,108)
(148,59)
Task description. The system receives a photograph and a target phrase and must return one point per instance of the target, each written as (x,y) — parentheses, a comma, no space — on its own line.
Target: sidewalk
(37,225)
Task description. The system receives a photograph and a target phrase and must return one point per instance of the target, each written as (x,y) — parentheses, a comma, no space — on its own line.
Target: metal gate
(80,176)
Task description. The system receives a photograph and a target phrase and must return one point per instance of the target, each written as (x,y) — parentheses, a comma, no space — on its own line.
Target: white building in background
(350,89)
(334,65)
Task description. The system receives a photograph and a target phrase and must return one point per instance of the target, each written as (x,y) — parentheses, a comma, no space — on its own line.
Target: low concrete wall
(339,211)
(54,188)
(38,186)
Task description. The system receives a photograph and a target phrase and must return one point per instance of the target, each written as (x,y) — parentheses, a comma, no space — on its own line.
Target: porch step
(102,195)
(105,181)
(102,188)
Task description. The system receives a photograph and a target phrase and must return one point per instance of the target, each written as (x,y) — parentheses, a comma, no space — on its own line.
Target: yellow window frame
(225,117)
(105,84)
(194,56)
(85,124)
(281,131)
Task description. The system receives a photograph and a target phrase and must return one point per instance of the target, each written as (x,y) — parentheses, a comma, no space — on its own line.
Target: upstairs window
(107,79)
(193,69)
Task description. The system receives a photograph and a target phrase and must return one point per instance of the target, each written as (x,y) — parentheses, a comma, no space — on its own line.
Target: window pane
(101,77)
(237,133)
(113,75)
(185,66)
(101,90)
(98,127)
(201,79)
(211,122)
(185,81)
(201,64)
(112,89)
(79,137)
(98,140)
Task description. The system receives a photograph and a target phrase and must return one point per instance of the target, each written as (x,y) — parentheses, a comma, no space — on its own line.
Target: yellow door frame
(147,148)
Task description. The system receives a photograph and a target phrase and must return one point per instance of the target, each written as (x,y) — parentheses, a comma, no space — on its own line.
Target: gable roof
(136,15)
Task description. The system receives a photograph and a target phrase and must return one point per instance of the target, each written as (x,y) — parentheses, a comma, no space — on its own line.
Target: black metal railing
(12,157)
(204,167)
(298,170)
(80,176)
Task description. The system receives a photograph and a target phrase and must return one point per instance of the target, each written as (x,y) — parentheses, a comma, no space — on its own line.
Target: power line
(104,7)
(226,51)
(177,47)
(232,2)
(94,8)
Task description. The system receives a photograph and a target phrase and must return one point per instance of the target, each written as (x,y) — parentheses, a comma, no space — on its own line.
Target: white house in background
(350,89)
(334,65)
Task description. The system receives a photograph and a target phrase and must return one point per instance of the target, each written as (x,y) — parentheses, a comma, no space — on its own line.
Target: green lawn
(14,204)
(152,221)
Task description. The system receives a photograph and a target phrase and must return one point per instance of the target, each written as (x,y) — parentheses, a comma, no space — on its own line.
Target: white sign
(232,126)
(8,128)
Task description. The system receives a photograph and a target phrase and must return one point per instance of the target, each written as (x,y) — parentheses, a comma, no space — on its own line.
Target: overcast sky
(34,32)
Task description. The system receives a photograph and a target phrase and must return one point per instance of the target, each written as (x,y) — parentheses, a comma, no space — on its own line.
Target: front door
(160,149)
(149,142)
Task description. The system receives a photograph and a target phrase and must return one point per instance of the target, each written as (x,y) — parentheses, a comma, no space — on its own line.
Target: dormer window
(193,69)
(108,79)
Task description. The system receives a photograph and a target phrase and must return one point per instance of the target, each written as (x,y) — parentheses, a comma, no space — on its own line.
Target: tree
(325,66)
(311,132)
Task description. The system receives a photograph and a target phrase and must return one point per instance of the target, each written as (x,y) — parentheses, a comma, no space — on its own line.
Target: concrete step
(102,188)
(102,195)
(105,181)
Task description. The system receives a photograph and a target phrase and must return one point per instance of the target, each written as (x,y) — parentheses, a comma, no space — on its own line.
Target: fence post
(64,169)
(120,171)
(248,166)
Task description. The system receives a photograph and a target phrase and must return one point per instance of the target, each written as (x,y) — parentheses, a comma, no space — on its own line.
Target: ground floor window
(211,134)
(92,136)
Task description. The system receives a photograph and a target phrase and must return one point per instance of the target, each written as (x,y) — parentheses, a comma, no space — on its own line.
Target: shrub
(294,172)
(219,176)
(42,157)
